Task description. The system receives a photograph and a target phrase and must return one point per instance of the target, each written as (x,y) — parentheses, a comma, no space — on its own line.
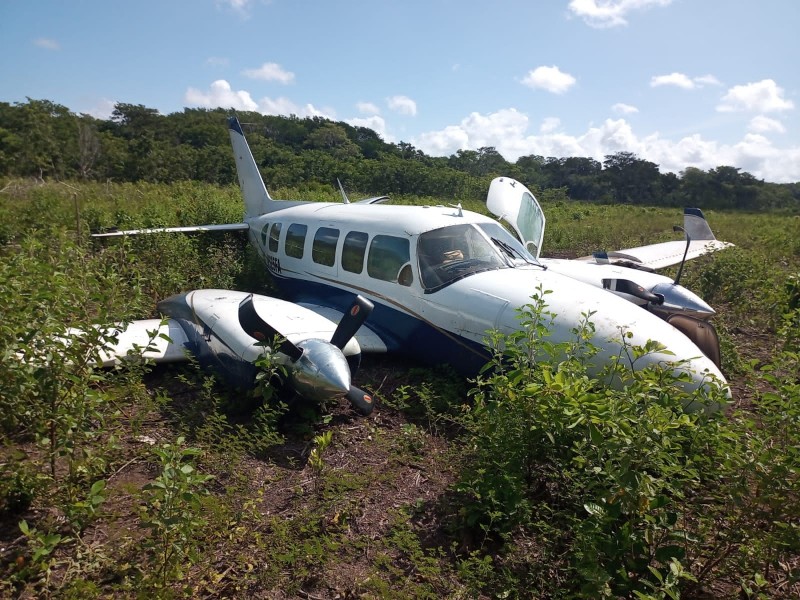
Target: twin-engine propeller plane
(433,280)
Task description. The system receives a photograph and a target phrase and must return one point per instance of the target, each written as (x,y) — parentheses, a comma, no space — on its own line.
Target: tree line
(42,139)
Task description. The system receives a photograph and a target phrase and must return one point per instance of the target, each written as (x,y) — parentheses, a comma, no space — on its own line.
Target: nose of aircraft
(322,372)
(620,330)
(685,358)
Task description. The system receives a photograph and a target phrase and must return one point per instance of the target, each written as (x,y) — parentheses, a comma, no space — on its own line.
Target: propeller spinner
(318,370)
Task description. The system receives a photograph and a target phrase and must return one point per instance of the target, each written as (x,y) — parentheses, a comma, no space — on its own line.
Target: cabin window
(295,240)
(264,234)
(274,236)
(323,251)
(353,251)
(387,255)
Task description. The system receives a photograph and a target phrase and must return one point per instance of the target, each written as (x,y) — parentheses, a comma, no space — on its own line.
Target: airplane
(427,282)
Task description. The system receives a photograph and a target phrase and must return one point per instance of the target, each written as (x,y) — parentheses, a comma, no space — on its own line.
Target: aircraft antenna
(685,252)
(458,206)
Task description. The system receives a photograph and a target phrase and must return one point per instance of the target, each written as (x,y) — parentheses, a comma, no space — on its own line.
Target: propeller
(252,323)
(626,286)
(351,322)
(360,400)
(258,328)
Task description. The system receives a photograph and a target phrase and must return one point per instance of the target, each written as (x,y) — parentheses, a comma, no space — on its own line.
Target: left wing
(367,339)
(145,338)
(226,331)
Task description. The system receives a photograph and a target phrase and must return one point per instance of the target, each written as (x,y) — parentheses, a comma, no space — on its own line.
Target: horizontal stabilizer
(191,229)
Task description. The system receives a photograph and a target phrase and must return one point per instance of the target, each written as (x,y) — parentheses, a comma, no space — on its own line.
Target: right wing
(666,254)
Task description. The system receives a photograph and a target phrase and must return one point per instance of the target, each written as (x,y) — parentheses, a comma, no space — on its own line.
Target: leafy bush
(171,510)
(614,481)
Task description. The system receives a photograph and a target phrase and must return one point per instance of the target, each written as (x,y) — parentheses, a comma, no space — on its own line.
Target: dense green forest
(42,139)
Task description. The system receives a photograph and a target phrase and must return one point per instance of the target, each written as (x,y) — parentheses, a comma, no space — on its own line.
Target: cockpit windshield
(508,244)
(452,253)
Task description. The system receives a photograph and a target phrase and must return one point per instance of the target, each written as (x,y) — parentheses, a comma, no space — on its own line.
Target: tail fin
(696,226)
(257,200)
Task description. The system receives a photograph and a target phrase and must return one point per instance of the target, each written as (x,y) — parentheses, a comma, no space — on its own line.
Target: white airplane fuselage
(432,282)
(322,254)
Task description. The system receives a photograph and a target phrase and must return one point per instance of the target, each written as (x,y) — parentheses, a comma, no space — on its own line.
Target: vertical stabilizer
(257,200)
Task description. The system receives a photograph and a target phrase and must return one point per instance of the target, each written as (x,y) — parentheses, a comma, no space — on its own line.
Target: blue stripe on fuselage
(402,333)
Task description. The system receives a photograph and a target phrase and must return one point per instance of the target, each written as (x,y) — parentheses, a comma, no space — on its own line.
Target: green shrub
(553,447)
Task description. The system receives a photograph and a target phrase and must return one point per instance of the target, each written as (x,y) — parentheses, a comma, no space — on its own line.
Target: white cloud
(551,79)
(761,96)
(677,79)
(217,61)
(762,124)
(402,104)
(507,131)
(284,106)
(444,142)
(624,109)
(242,7)
(270,72)
(756,155)
(683,81)
(550,124)
(368,108)
(707,80)
(47,43)
(220,94)
(610,13)
(374,122)
(500,129)
(102,109)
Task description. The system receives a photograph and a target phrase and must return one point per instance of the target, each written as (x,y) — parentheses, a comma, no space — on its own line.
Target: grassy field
(531,482)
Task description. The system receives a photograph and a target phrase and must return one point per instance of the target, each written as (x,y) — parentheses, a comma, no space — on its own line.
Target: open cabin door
(512,202)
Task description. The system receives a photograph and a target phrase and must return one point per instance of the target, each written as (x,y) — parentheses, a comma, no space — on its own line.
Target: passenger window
(406,275)
(264,231)
(295,240)
(323,251)
(353,251)
(387,255)
(274,236)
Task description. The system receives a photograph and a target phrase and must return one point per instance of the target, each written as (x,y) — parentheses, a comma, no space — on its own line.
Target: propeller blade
(351,321)
(626,286)
(361,400)
(258,328)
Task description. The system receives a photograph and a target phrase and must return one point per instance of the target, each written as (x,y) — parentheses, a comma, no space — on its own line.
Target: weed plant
(628,492)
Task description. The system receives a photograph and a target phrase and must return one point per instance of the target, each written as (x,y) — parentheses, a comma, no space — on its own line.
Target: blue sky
(682,83)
